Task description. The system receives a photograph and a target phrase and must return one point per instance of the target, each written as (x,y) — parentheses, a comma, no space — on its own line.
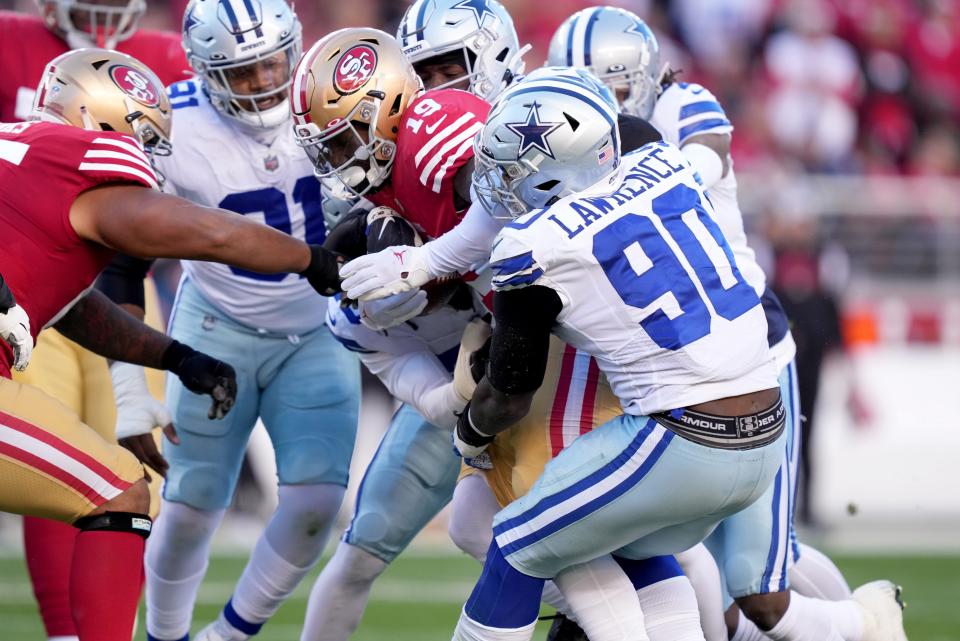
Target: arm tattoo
(99,325)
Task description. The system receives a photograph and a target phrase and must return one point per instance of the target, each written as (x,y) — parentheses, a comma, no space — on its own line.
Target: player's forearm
(99,325)
(465,245)
(493,411)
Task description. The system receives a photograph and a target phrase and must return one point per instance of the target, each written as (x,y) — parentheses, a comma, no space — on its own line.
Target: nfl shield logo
(271,163)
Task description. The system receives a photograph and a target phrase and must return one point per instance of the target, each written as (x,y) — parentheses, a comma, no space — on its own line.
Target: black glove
(202,374)
(323,271)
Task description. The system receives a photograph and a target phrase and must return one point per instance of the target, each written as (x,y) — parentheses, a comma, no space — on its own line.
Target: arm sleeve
(6,297)
(122,280)
(521,337)
(635,132)
(465,245)
(419,379)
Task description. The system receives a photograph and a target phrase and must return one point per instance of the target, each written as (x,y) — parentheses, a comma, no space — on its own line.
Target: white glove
(15,329)
(390,271)
(474,336)
(137,411)
(385,313)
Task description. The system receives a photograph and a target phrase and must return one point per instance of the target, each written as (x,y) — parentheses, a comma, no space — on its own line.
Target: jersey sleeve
(699,112)
(512,263)
(113,157)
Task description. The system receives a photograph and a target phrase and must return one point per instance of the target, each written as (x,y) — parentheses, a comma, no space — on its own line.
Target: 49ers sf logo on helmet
(354,68)
(135,84)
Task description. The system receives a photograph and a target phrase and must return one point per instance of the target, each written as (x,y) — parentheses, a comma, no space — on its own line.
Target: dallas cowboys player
(634,271)
(755,547)
(236,151)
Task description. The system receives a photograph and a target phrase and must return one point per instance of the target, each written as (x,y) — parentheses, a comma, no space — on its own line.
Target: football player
(756,547)
(79,186)
(237,152)
(681,336)
(63,369)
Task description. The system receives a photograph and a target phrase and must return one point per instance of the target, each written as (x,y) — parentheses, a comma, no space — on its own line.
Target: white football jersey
(685,110)
(648,283)
(218,164)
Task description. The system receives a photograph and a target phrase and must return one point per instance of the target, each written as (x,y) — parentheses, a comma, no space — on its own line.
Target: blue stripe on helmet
(232,17)
(603,112)
(420,14)
(573,25)
(252,14)
(589,35)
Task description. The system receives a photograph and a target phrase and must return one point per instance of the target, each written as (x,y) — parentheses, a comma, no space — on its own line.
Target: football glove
(393,270)
(202,374)
(465,374)
(15,329)
(321,273)
(390,311)
(468,441)
(137,411)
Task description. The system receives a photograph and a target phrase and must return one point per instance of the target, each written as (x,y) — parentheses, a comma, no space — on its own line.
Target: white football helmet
(619,48)
(545,138)
(92,23)
(477,34)
(242,39)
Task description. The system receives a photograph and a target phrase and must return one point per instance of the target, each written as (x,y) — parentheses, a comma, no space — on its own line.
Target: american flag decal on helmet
(605,154)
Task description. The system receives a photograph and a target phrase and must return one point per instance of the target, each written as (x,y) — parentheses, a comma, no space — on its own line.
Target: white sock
(815,575)
(299,528)
(470,630)
(803,621)
(174,564)
(699,566)
(670,609)
(555,599)
(340,595)
(471,516)
(603,601)
(747,630)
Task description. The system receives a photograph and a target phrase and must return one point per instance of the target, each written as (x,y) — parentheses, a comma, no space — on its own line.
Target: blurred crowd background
(847,150)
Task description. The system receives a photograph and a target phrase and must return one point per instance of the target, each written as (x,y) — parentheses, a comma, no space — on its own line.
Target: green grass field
(419,598)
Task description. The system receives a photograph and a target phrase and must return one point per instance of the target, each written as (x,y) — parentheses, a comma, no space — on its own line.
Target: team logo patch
(354,68)
(135,84)
(533,132)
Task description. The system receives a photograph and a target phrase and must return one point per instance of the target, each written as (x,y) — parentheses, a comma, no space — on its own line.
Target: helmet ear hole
(573,122)
(547,185)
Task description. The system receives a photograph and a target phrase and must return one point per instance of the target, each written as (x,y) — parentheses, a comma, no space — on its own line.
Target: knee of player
(203,487)
(469,539)
(310,509)
(765,610)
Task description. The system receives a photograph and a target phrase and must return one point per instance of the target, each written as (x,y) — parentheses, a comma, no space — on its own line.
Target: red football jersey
(43,168)
(435,141)
(28,46)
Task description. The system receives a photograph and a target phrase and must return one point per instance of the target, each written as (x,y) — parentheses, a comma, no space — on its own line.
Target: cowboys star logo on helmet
(533,133)
(355,68)
(480,9)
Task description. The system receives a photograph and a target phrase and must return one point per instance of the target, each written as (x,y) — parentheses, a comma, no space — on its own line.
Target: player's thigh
(205,465)
(55,369)
(310,408)
(51,464)
(410,479)
(626,480)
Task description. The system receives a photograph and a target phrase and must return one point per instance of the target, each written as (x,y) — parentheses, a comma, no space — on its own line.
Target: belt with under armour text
(726,432)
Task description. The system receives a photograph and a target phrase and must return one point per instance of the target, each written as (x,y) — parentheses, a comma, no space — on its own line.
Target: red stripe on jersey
(65,448)
(560,400)
(589,396)
(31,460)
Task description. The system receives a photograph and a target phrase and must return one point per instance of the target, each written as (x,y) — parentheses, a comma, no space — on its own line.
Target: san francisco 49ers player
(76,190)
(60,367)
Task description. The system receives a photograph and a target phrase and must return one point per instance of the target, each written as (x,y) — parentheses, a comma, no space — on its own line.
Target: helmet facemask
(103,23)
(348,155)
(264,101)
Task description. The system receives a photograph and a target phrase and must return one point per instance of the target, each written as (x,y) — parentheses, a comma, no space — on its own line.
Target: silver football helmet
(545,138)
(94,23)
(477,34)
(619,48)
(245,52)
